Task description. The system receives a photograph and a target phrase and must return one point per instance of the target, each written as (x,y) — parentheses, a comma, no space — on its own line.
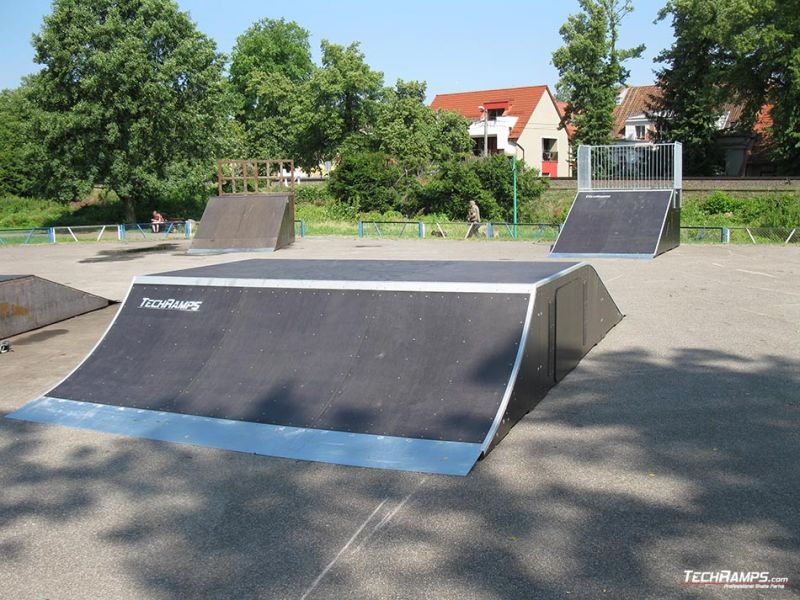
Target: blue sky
(454,46)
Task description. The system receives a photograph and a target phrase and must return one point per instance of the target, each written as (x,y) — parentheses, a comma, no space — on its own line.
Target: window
(641,132)
(495,112)
(549,149)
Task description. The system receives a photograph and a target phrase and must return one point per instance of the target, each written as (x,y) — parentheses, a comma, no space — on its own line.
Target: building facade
(522,121)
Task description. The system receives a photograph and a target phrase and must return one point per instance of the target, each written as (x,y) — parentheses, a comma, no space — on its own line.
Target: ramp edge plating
(353,449)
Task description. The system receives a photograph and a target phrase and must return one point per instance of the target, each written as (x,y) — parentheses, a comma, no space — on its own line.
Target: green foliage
(691,99)
(269,47)
(738,51)
(270,64)
(128,88)
(366,181)
(337,103)
(19,153)
(496,177)
(761,209)
(27,212)
(316,193)
(721,203)
(591,68)
(451,188)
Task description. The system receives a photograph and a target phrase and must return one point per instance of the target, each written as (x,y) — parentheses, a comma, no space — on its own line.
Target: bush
(316,193)
(366,181)
(721,203)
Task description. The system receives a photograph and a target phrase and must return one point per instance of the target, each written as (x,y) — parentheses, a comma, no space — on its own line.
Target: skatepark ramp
(28,302)
(245,223)
(620,223)
(408,365)
(628,203)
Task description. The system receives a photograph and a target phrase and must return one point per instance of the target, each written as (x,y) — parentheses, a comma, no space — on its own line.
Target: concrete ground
(673,446)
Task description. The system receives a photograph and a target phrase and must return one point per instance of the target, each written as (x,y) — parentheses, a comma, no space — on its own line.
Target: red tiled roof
(636,102)
(522,101)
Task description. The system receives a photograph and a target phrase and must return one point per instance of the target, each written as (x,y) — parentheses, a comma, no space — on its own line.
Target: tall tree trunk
(130,209)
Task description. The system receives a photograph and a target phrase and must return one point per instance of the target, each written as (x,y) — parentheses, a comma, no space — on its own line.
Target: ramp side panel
(671,236)
(539,371)
(614,222)
(404,364)
(383,452)
(243,223)
(29,302)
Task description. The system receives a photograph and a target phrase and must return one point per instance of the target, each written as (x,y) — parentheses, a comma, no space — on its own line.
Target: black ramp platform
(408,365)
(28,302)
(245,223)
(635,224)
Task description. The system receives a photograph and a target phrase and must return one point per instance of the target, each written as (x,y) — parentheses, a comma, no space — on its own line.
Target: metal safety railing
(105,233)
(458,230)
(630,167)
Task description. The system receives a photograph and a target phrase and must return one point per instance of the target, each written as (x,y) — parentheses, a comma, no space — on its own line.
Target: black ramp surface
(446,271)
(384,363)
(615,222)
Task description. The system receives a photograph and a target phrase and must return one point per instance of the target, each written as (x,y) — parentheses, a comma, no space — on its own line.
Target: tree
(270,63)
(591,68)
(496,177)
(19,153)
(366,181)
(691,97)
(760,55)
(338,101)
(130,94)
(736,51)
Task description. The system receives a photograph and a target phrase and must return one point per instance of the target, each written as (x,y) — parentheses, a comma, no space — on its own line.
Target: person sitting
(156,221)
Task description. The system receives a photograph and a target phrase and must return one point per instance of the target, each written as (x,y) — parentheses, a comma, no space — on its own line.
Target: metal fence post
(187,229)
(726,235)
(51,235)
(361,229)
(121,232)
(489,230)
(421,229)
(302,228)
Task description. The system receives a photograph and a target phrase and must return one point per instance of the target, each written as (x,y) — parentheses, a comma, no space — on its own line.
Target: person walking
(474,219)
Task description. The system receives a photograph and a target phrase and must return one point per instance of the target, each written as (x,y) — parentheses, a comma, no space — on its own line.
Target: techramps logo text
(171,304)
(744,580)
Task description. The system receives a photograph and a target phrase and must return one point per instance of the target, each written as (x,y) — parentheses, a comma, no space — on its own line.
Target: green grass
(323,216)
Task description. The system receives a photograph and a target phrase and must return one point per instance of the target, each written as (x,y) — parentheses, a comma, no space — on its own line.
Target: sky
(453,46)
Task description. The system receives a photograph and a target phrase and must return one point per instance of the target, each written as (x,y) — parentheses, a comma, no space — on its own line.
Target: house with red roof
(743,150)
(523,121)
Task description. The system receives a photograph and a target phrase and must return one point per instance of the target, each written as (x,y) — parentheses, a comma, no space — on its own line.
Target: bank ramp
(28,302)
(409,365)
(245,223)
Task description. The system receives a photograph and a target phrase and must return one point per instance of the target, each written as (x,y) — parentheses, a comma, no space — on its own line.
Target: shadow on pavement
(634,469)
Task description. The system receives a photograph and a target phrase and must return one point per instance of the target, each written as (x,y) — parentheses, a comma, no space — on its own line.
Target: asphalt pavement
(672,447)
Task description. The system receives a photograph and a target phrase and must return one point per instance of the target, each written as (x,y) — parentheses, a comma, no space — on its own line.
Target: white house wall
(544,124)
